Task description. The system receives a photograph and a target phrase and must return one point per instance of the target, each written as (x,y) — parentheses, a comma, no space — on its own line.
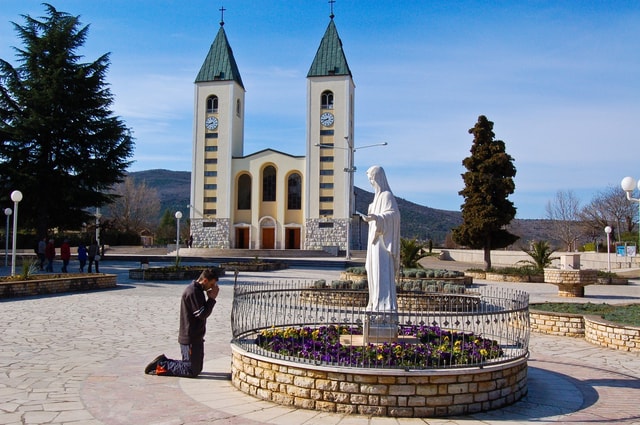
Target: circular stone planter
(379,392)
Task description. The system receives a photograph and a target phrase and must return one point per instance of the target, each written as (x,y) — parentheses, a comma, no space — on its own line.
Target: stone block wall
(375,392)
(606,334)
(571,277)
(217,236)
(317,237)
(557,324)
(594,329)
(45,286)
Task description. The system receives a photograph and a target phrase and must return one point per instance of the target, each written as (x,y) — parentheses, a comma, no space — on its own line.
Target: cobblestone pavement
(78,359)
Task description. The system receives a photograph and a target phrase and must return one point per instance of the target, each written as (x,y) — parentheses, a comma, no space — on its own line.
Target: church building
(270,199)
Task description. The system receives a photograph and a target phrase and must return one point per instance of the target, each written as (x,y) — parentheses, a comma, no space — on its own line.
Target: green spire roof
(330,58)
(220,64)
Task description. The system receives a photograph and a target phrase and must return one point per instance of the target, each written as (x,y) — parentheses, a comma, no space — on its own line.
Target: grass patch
(622,314)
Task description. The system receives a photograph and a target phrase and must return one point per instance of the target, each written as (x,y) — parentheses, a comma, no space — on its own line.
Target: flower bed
(427,346)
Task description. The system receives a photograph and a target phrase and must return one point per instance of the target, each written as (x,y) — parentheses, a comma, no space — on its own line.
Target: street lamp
(628,185)
(7,212)
(607,230)
(178,217)
(98,215)
(16,197)
(350,169)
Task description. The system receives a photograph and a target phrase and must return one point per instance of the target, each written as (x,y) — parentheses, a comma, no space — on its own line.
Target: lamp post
(7,212)
(16,197)
(178,217)
(98,215)
(607,230)
(628,185)
(351,149)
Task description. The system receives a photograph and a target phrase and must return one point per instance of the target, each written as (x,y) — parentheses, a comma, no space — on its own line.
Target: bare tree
(136,207)
(609,207)
(564,211)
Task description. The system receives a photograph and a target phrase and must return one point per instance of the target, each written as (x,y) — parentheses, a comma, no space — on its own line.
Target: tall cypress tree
(60,144)
(488,183)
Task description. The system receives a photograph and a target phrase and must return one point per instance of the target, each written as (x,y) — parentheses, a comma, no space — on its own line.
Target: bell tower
(218,136)
(330,114)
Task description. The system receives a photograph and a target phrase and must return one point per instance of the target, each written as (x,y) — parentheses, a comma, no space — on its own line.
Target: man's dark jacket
(194,310)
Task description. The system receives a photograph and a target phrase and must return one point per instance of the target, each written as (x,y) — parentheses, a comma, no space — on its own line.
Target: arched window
(326,101)
(269,184)
(212,104)
(294,192)
(238,107)
(244,192)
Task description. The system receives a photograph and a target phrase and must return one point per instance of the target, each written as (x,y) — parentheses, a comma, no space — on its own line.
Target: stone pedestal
(570,283)
(380,327)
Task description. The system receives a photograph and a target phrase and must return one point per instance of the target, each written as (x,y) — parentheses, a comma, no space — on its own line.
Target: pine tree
(488,183)
(60,144)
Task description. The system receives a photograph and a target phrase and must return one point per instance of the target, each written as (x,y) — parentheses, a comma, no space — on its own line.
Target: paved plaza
(79,359)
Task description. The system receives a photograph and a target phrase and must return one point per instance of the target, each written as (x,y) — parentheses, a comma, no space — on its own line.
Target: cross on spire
(222,9)
(331,3)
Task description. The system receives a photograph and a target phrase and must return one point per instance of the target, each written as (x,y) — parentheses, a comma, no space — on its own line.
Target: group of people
(46,251)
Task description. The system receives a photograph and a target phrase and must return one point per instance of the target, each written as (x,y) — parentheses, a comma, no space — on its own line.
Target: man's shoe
(151,367)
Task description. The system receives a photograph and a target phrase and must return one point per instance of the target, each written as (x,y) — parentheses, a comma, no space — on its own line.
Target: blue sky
(560,80)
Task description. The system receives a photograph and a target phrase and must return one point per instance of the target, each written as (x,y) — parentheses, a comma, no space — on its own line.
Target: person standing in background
(50,254)
(94,256)
(65,255)
(42,248)
(82,255)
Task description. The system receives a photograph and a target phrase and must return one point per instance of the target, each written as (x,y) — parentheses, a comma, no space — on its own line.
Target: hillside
(416,220)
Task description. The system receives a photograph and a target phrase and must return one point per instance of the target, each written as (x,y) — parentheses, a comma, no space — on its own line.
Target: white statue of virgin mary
(383,248)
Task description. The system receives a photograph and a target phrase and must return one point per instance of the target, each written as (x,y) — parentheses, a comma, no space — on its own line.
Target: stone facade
(593,328)
(317,237)
(376,392)
(211,236)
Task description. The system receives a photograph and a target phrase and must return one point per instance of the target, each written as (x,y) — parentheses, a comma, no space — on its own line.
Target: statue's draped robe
(383,251)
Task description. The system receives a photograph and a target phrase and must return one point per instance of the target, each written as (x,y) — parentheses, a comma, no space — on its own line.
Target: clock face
(211,123)
(326,119)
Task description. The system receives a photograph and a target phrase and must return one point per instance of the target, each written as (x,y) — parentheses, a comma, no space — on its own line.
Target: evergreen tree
(488,183)
(59,142)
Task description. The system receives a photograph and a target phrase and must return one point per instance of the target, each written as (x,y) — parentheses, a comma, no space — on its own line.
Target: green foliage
(518,271)
(410,252)
(59,142)
(488,184)
(30,267)
(167,230)
(541,254)
(623,314)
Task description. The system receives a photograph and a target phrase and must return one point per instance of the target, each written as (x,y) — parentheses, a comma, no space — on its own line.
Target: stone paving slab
(78,359)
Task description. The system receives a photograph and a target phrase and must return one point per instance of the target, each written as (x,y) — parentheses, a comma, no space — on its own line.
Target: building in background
(270,199)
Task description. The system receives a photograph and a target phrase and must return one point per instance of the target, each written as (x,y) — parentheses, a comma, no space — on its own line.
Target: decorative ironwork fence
(295,321)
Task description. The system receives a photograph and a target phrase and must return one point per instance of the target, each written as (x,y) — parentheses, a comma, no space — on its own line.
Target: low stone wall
(562,324)
(593,328)
(25,288)
(607,334)
(379,392)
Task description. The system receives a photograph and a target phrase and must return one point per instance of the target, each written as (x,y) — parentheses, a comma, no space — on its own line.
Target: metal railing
(479,327)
